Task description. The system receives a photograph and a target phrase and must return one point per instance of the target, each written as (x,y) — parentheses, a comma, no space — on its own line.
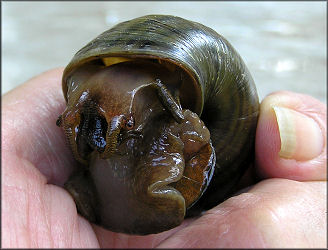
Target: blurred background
(282,43)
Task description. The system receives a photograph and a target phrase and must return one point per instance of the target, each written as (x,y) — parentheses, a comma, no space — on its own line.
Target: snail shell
(214,83)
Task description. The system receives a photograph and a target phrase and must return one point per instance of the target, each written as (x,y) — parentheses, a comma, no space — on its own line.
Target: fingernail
(300,136)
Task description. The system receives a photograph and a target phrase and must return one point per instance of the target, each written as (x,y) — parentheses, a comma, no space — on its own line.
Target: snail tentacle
(168,101)
(112,134)
(70,124)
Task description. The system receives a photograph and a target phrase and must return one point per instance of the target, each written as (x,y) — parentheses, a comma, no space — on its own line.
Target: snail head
(111,106)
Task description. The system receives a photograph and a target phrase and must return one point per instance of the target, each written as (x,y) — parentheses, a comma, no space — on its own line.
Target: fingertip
(54,72)
(267,144)
(48,81)
(291,137)
(30,130)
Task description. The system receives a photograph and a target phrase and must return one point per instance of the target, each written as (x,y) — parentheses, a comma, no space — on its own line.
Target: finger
(291,137)
(29,128)
(108,239)
(36,214)
(275,213)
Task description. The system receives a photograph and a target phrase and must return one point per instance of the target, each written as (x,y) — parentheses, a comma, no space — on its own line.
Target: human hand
(283,205)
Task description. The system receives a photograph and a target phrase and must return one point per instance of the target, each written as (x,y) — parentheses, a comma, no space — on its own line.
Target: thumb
(291,137)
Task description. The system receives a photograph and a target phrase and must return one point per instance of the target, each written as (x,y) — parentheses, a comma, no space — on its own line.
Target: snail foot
(81,188)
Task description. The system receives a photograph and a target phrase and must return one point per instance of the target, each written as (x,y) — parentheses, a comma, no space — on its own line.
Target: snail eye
(129,124)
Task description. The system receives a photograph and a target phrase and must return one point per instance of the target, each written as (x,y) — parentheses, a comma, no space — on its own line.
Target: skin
(159,166)
(283,205)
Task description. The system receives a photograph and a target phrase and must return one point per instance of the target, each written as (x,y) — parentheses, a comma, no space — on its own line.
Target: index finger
(29,130)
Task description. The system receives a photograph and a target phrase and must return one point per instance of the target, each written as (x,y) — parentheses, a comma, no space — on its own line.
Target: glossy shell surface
(217,85)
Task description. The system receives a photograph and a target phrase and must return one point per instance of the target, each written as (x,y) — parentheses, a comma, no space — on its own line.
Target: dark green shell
(223,91)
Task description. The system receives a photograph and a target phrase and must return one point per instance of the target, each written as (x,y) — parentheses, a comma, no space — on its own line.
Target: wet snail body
(161,113)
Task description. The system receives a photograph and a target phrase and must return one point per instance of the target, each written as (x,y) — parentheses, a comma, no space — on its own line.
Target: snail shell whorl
(220,85)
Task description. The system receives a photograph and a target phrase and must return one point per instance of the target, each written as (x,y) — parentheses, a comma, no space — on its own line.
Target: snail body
(161,113)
